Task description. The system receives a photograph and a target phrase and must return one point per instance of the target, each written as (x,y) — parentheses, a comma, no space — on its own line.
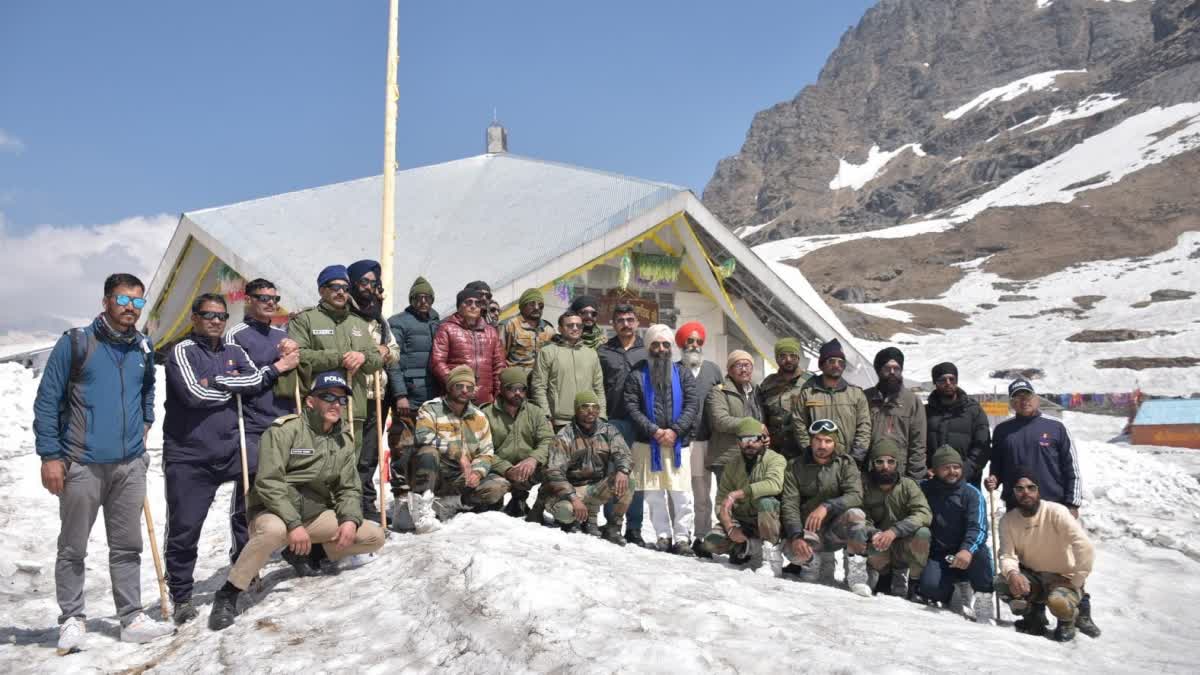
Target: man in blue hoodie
(94,406)
(201,449)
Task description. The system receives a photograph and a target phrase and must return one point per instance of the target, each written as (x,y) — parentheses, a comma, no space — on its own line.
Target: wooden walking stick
(158,565)
(995,548)
(381,450)
(299,408)
(245,462)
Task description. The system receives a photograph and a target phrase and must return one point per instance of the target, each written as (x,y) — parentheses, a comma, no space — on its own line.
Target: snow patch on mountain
(855,176)
(1010,91)
(1042,4)
(1092,105)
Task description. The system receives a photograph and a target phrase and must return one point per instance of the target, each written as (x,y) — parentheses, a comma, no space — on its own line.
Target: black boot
(699,550)
(635,538)
(740,555)
(302,564)
(1033,622)
(683,548)
(1084,621)
(612,533)
(516,507)
(572,526)
(224,607)
(185,611)
(1065,631)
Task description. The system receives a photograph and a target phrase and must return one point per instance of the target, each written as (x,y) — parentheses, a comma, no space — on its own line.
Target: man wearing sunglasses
(331,337)
(748,497)
(775,396)
(522,436)
(690,338)
(465,339)
(897,413)
(565,367)
(94,406)
(453,460)
(525,334)
(830,396)
(588,309)
(308,494)
(898,519)
(413,329)
(484,292)
(201,449)
(955,419)
(822,511)
(366,298)
(589,466)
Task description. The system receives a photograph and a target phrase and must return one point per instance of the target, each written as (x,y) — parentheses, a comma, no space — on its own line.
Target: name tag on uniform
(302,452)
(322,331)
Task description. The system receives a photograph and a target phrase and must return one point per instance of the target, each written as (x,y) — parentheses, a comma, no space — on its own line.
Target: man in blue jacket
(94,406)
(1032,440)
(201,450)
(959,558)
(414,383)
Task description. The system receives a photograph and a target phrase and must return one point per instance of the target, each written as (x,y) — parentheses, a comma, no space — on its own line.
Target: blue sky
(114,110)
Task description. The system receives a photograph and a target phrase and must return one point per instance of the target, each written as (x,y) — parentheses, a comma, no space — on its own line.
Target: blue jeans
(636,512)
(938,578)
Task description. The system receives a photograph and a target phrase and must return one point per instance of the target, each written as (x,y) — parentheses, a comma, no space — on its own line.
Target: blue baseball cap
(1019,385)
(332,379)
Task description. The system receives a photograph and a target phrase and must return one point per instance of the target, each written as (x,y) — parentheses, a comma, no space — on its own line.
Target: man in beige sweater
(1045,558)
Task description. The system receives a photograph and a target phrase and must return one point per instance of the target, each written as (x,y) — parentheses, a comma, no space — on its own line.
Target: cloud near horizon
(56,273)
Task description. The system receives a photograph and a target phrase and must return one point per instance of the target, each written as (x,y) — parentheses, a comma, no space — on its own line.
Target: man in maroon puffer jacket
(465,339)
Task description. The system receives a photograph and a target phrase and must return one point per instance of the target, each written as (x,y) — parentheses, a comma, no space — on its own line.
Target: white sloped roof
(479,208)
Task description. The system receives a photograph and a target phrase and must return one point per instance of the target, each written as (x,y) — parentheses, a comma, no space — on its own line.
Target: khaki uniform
(775,396)
(586,464)
(845,404)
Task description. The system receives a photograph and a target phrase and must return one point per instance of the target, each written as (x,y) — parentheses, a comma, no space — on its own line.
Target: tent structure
(516,223)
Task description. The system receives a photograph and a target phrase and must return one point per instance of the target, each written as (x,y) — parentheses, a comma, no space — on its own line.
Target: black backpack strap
(80,346)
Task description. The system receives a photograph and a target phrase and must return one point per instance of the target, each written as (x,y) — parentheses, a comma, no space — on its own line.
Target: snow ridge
(1010,91)
(855,176)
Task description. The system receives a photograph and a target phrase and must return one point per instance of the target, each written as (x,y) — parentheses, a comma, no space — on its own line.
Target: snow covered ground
(489,594)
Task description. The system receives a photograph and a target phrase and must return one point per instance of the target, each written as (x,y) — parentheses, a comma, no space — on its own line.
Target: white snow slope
(1010,91)
(489,594)
(855,176)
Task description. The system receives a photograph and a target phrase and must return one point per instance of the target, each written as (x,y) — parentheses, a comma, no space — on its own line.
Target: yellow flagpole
(387,243)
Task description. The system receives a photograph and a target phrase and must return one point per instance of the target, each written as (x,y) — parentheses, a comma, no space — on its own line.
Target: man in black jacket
(955,419)
(617,358)
(413,329)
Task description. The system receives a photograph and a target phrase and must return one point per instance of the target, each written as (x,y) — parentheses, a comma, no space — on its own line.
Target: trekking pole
(245,463)
(158,566)
(380,451)
(299,408)
(995,547)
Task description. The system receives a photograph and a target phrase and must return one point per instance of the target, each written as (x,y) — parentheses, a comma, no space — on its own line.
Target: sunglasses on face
(822,427)
(589,313)
(338,288)
(422,298)
(266,299)
(661,346)
(572,325)
(593,407)
(209,316)
(463,387)
(123,300)
(516,388)
(369,283)
(694,341)
(334,398)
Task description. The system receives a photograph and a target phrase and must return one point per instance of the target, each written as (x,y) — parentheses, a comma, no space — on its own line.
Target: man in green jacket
(897,414)
(521,436)
(566,367)
(829,396)
(822,496)
(898,519)
(332,337)
(589,465)
(775,396)
(728,403)
(748,499)
(307,491)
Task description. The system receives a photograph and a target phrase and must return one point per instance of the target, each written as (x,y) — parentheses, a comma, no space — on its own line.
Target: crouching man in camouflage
(589,465)
(822,510)
(307,492)
(454,456)
(898,519)
(748,501)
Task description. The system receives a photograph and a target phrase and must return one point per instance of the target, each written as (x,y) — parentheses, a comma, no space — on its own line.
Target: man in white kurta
(660,399)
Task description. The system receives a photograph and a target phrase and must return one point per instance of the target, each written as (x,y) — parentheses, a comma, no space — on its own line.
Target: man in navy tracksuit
(958,549)
(201,449)
(1030,440)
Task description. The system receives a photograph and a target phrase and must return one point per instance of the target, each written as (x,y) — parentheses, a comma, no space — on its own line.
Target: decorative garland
(655,270)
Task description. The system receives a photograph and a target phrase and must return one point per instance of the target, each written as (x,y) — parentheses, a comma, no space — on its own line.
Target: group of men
(804,464)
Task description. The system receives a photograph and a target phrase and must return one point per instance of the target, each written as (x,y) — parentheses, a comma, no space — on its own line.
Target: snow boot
(302,564)
(420,507)
(1084,620)
(71,635)
(224,607)
(1033,621)
(1064,631)
(635,537)
(914,593)
(985,608)
(591,529)
(570,527)
(663,545)
(699,550)
(612,533)
(683,548)
(828,567)
(185,611)
(740,554)
(899,586)
(143,629)
(401,518)
(517,506)
(447,507)
(856,575)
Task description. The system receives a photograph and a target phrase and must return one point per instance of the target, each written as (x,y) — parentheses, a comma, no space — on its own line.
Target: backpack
(81,351)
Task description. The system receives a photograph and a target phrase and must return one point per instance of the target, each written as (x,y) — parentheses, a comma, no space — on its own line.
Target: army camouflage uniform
(757,515)
(775,396)
(521,343)
(905,511)
(442,439)
(836,485)
(585,465)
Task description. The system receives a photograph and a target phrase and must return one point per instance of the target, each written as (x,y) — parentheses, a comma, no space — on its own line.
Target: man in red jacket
(465,339)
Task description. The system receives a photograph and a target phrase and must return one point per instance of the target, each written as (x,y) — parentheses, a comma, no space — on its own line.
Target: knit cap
(831,350)
(943,456)
(738,355)
(748,426)
(513,375)
(788,345)
(531,295)
(585,397)
(460,374)
(884,447)
(420,286)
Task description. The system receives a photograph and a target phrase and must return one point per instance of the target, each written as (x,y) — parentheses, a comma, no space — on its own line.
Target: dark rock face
(893,78)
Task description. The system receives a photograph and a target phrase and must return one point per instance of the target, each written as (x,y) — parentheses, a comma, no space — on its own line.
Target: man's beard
(660,372)
(692,358)
(884,478)
(367,304)
(1032,510)
(891,384)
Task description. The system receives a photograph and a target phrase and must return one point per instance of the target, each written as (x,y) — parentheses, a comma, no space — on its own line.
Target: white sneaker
(71,635)
(856,575)
(144,629)
(401,518)
(420,507)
